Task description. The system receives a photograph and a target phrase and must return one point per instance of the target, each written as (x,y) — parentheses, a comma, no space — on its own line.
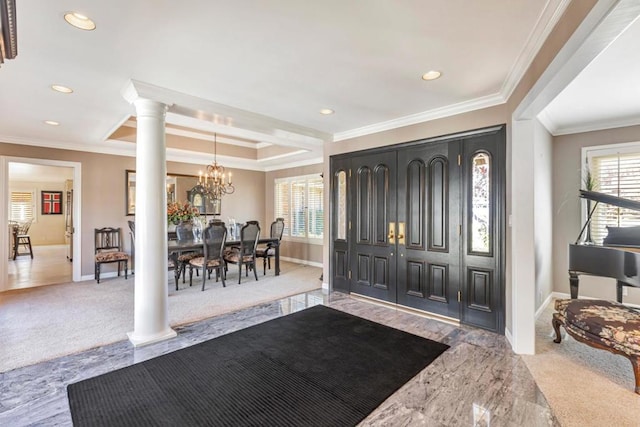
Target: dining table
(179,246)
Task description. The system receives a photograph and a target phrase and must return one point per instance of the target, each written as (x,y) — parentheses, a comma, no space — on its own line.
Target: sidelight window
(342,205)
(480,221)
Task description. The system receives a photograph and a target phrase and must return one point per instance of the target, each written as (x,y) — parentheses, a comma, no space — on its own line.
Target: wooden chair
(269,251)
(214,237)
(22,238)
(245,254)
(108,249)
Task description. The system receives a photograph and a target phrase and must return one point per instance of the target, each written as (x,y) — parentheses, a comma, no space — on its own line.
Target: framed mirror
(178,190)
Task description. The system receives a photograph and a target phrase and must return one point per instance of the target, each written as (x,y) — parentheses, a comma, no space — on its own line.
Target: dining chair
(21,238)
(245,254)
(108,249)
(268,251)
(214,238)
(184,231)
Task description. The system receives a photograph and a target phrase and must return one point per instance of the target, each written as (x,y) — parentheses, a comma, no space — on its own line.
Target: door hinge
(459,229)
(459,296)
(349,274)
(349,173)
(349,225)
(459,159)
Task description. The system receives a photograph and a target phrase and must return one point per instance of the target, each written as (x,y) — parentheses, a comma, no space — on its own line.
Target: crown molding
(545,24)
(436,113)
(128,149)
(595,126)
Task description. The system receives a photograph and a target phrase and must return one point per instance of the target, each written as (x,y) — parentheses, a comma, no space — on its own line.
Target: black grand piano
(618,258)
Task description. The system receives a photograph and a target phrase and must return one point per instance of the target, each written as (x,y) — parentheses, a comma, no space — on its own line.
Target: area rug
(316,367)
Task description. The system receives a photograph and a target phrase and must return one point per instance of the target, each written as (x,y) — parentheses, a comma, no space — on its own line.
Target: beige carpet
(583,385)
(42,323)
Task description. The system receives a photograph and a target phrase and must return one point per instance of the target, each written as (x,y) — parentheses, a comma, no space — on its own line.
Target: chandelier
(215,183)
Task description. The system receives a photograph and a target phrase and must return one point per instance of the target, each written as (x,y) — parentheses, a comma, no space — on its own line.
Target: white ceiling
(267,68)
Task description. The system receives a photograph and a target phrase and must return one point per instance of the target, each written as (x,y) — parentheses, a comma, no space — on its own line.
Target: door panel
(340,223)
(372,254)
(483,231)
(428,202)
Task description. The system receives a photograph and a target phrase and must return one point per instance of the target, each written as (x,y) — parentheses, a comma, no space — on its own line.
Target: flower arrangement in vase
(178,211)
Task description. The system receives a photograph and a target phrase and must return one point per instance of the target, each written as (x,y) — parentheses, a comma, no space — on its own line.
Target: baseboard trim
(508,336)
(301,261)
(414,311)
(544,305)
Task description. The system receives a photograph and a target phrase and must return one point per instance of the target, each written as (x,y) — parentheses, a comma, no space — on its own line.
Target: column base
(140,340)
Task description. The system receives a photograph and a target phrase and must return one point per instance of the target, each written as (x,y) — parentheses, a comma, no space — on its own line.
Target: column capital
(150,108)
(135,90)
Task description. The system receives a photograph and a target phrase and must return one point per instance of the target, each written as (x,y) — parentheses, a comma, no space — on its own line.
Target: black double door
(422,225)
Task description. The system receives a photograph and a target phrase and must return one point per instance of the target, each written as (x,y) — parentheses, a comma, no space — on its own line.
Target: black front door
(372,210)
(422,225)
(428,221)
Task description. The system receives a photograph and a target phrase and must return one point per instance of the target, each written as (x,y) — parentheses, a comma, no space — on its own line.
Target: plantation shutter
(299,200)
(617,175)
(298,220)
(315,211)
(282,204)
(21,206)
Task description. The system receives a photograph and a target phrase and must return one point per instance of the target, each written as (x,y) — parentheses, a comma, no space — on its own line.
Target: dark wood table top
(185,245)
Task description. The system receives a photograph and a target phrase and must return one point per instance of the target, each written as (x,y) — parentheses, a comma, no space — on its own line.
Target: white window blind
(299,200)
(21,206)
(619,175)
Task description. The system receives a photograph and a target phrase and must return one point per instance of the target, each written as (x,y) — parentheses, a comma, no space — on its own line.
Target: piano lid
(609,199)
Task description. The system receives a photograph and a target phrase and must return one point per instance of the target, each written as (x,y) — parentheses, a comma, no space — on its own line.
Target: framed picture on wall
(51,202)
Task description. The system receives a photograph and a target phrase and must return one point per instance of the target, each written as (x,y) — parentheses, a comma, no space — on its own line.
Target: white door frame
(4,210)
(603,25)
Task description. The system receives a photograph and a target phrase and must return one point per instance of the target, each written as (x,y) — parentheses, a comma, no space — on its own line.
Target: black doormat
(316,367)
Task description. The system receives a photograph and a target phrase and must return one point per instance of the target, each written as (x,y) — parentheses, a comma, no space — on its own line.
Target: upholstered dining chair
(268,251)
(214,237)
(108,249)
(184,231)
(245,254)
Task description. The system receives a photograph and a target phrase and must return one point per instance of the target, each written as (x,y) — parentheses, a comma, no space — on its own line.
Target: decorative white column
(151,319)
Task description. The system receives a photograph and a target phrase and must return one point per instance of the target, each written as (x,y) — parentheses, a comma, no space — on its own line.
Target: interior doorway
(42,196)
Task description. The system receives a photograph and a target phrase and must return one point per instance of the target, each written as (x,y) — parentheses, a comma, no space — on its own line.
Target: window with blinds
(299,201)
(617,174)
(21,206)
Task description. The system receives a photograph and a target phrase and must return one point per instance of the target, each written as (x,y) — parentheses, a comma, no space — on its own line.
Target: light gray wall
(543,201)
(567,207)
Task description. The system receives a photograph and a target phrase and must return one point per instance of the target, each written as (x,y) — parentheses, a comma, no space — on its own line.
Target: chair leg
(126,270)
(222,276)
(97,273)
(239,272)
(204,276)
(255,270)
(264,266)
(30,248)
(190,275)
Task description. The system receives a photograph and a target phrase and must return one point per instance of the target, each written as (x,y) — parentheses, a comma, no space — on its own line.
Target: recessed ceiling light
(52,122)
(326,111)
(78,20)
(431,75)
(61,89)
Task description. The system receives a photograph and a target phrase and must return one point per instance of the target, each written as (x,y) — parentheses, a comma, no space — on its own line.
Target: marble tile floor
(479,381)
